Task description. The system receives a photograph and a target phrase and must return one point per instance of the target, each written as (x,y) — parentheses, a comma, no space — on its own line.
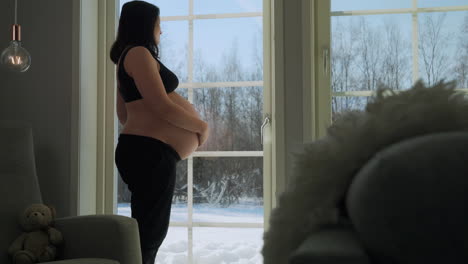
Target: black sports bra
(128,89)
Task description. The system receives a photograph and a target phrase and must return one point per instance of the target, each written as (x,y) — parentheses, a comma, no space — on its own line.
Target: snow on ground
(212,245)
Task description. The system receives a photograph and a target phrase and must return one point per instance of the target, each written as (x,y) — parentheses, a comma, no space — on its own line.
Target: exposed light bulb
(15,57)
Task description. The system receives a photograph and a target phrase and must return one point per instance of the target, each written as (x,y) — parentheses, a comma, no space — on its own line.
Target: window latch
(266,121)
(326,60)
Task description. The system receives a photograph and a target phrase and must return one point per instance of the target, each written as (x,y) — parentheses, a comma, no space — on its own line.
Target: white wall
(43,95)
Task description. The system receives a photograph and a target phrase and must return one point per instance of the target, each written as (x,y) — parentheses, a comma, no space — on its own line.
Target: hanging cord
(16,11)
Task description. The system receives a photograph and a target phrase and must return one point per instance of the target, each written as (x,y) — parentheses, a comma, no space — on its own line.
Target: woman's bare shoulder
(138,52)
(138,57)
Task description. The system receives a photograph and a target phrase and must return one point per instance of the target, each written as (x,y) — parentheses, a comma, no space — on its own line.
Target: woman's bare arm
(184,103)
(143,68)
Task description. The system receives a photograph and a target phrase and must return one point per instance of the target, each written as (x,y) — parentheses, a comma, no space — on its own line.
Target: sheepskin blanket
(325,168)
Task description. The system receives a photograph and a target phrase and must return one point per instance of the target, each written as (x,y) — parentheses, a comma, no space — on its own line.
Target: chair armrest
(330,246)
(100,236)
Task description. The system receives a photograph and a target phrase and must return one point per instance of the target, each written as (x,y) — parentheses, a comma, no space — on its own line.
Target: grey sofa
(92,239)
(408,204)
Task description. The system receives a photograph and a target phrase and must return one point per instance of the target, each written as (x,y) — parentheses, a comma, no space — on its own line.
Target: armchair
(110,239)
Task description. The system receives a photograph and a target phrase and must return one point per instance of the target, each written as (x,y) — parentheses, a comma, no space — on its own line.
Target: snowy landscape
(212,245)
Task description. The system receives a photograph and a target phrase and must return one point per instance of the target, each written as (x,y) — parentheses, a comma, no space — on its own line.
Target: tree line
(366,55)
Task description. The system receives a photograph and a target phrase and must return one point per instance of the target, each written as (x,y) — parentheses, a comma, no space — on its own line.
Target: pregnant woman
(160,127)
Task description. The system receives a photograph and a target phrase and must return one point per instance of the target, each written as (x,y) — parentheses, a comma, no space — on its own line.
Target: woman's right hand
(203,135)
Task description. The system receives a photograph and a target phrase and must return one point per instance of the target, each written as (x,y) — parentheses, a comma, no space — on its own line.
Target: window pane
(227,245)
(347,5)
(234,115)
(172,7)
(179,211)
(341,104)
(173,47)
(443,51)
(217,6)
(228,190)
(123,208)
(167,7)
(368,50)
(461,48)
(228,50)
(123,197)
(174,247)
(440,3)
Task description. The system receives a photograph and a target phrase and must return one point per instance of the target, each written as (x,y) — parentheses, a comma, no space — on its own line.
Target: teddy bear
(39,239)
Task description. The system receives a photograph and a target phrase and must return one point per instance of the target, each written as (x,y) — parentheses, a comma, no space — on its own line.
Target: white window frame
(93,182)
(321,39)
(190,85)
(104,180)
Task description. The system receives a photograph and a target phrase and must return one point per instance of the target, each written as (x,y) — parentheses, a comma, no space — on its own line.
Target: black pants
(148,167)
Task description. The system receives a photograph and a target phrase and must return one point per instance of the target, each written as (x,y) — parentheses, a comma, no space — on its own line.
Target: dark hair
(136,28)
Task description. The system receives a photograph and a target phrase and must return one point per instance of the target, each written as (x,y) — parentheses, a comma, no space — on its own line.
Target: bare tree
(168,52)
(396,50)
(343,55)
(365,55)
(461,56)
(238,110)
(433,43)
(356,62)
(208,101)
(369,55)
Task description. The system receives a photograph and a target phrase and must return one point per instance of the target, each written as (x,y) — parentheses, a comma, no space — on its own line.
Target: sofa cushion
(335,245)
(83,261)
(409,203)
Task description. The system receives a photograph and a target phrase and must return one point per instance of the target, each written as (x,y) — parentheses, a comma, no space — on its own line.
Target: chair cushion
(83,261)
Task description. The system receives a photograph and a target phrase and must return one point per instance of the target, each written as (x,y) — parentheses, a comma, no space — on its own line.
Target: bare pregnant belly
(183,141)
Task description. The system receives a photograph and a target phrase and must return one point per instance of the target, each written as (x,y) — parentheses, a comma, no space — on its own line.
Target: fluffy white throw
(324,169)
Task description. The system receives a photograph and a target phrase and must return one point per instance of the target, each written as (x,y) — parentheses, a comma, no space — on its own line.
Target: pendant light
(15,57)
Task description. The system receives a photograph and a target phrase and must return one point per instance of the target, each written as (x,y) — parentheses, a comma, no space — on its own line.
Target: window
(216,49)
(394,43)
